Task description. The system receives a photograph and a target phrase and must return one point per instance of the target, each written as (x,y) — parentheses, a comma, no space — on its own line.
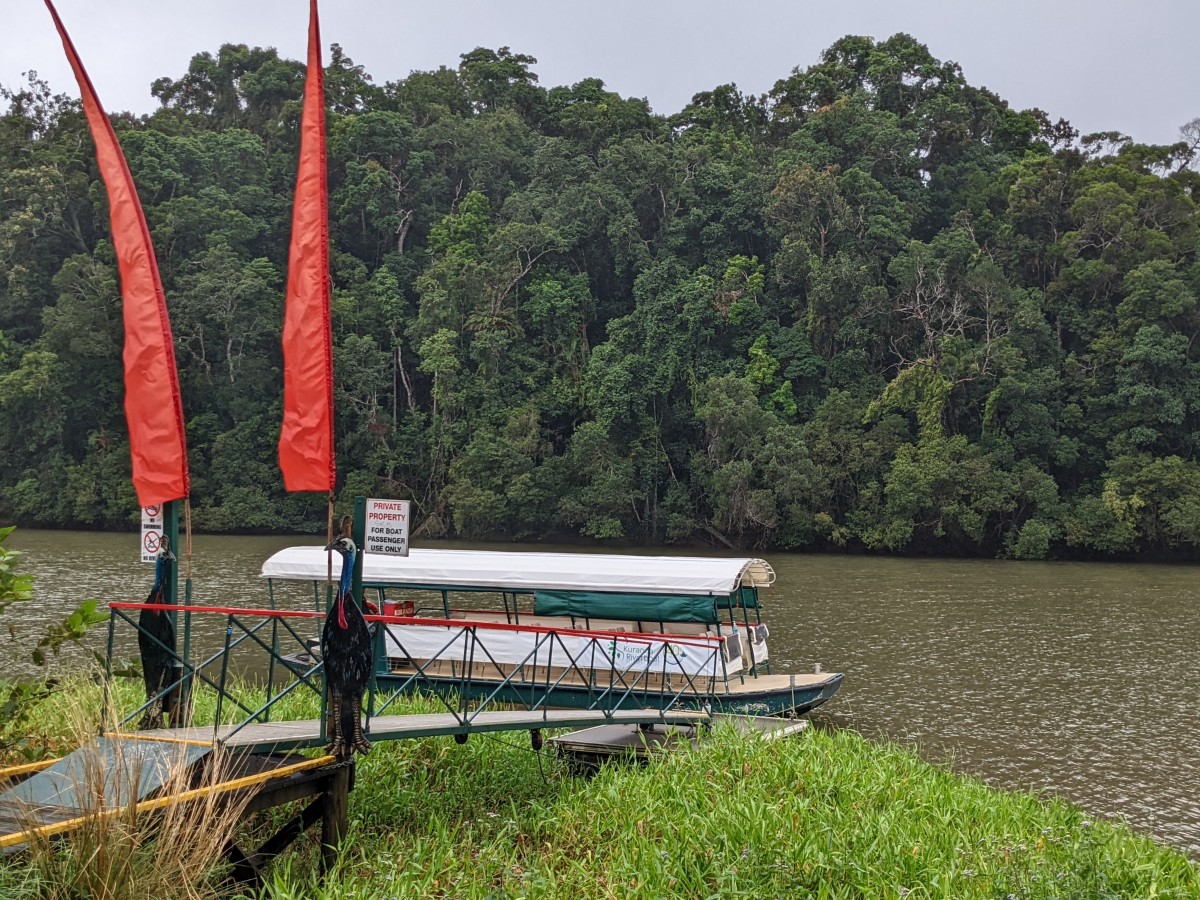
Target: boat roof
(532,571)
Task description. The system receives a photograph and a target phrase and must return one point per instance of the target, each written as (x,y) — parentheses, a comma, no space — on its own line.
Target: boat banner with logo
(561,649)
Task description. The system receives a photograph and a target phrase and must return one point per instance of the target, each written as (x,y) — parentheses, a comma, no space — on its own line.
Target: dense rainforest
(875,309)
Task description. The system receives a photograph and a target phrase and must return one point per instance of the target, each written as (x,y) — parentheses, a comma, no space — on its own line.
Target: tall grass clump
(120,851)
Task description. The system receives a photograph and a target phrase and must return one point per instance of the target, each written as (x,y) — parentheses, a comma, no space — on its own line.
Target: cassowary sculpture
(346,651)
(156,644)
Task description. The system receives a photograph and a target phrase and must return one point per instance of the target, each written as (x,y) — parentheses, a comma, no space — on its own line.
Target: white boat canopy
(529,572)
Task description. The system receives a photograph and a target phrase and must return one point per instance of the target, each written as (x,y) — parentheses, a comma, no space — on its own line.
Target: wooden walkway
(140,770)
(48,810)
(279,736)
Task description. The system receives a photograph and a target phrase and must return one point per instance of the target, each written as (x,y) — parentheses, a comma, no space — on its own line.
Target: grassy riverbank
(822,815)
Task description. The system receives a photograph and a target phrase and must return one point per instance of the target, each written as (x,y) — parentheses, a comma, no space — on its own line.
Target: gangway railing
(243,626)
(485,672)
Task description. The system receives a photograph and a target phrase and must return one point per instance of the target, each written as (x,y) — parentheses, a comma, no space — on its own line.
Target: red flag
(153,408)
(306,441)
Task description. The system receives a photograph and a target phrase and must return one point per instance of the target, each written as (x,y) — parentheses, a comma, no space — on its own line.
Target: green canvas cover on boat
(647,607)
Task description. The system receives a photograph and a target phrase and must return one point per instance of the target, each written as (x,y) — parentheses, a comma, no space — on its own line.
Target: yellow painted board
(10,840)
(27,768)
(150,736)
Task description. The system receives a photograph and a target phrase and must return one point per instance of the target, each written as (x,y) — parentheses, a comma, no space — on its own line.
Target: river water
(1075,679)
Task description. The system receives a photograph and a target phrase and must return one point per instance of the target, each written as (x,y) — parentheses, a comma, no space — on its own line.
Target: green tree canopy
(876,308)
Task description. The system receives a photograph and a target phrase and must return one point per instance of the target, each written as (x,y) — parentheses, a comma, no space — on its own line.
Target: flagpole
(184,703)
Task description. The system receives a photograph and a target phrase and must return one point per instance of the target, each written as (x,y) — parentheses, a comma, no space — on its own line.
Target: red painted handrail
(223,610)
(696,640)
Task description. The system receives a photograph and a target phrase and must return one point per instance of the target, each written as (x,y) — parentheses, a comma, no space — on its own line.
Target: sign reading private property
(152,532)
(387,527)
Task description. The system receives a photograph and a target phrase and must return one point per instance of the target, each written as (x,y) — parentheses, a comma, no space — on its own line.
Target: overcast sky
(1124,65)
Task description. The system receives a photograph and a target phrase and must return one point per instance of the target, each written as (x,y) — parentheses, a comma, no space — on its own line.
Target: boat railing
(549,663)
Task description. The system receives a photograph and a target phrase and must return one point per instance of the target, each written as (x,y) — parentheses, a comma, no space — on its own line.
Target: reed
(118,851)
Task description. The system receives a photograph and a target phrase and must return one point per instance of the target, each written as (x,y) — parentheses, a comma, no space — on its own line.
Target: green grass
(826,814)
(822,815)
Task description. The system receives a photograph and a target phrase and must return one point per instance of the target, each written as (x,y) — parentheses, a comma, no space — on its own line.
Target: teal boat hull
(791,700)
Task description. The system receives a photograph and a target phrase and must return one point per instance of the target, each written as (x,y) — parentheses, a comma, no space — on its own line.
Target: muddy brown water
(1074,679)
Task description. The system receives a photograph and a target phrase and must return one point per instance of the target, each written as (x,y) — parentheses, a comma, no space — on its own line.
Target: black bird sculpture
(346,651)
(156,643)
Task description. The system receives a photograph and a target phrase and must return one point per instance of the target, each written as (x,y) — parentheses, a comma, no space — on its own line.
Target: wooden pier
(149,771)
(47,800)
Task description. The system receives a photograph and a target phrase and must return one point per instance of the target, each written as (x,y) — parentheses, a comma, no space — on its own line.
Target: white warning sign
(152,532)
(387,527)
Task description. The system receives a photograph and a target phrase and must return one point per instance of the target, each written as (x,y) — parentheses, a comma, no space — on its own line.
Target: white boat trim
(532,571)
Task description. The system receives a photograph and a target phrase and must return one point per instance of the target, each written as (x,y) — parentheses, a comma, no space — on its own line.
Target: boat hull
(743,699)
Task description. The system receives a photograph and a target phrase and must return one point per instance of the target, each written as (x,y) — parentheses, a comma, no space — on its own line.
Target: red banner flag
(306,441)
(153,408)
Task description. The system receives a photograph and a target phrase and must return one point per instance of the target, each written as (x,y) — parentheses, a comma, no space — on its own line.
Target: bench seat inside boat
(692,628)
(620,626)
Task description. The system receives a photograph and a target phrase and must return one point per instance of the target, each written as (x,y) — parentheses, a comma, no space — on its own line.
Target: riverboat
(572,629)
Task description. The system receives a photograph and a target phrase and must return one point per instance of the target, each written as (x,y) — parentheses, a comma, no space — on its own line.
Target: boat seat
(696,628)
(621,626)
(502,618)
(404,666)
(560,622)
(481,615)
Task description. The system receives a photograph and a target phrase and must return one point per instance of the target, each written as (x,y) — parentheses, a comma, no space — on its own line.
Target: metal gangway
(520,693)
(260,748)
